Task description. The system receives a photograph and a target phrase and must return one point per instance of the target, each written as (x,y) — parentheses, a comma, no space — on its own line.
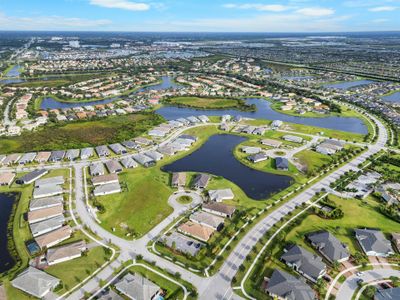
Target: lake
(348,84)
(51,103)
(395,97)
(6,203)
(216,157)
(14,72)
(264,111)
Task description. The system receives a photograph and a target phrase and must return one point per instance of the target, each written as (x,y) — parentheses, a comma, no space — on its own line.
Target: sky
(201,15)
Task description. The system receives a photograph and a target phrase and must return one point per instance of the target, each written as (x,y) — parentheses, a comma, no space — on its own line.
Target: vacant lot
(208,103)
(81,134)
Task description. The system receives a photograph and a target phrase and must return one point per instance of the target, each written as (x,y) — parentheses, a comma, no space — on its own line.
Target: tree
(370,291)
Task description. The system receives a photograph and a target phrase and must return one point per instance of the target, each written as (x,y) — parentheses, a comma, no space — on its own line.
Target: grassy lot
(42,83)
(78,269)
(312,159)
(208,103)
(81,134)
(141,206)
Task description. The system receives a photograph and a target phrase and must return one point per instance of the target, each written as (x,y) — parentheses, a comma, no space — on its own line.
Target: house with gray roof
(86,153)
(259,157)
(56,180)
(117,148)
(47,191)
(109,295)
(182,243)
(188,137)
(281,163)
(102,151)
(329,246)
(373,242)
(203,118)
(40,203)
(193,119)
(144,160)
(35,282)
(31,176)
(113,166)
(107,189)
(72,154)
(128,163)
(306,263)
(207,219)
(201,181)
(219,209)
(105,179)
(96,169)
(292,138)
(388,294)
(220,195)
(65,252)
(183,121)
(131,145)
(46,226)
(167,150)
(136,287)
(154,155)
(57,155)
(27,158)
(282,285)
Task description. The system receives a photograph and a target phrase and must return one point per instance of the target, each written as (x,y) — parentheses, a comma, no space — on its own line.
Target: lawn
(313,160)
(141,206)
(78,269)
(356,215)
(81,134)
(208,103)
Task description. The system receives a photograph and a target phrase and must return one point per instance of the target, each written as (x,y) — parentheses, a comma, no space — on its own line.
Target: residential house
(256,158)
(387,294)
(251,150)
(105,179)
(47,191)
(107,189)
(31,176)
(27,158)
(307,264)
(284,286)
(200,232)
(207,219)
(44,214)
(102,151)
(182,243)
(41,203)
(57,156)
(113,166)
(154,155)
(46,226)
(373,242)
(281,164)
(292,138)
(86,153)
(56,180)
(65,253)
(72,154)
(220,195)
(136,287)
(6,178)
(144,160)
(96,169)
(329,246)
(129,163)
(396,240)
(219,209)
(178,179)
(42,157)
(118,148)
(271,143)
(201,181)
(35,282)
(54,237)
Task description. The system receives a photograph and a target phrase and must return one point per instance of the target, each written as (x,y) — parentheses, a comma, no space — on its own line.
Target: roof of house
(6,177)
(97,168)
(182,243)
(65,251)
(47,225)
(271,142)
(137,287)
(104,179)
(222,194)
(35,282)
(110,295)
(43,156)
(178,178)
(45,202)
(47,190)
(219,207)
(208,219)
(154,155)
(113,166)
(201,180)
(128,162)
(373,240)
(50,181)
(56,235)
(287,286)
(329,245)
(196,230)
(44,213)
(388,294)
(107,188)
(72,154)
(307,262)
(29,177)
(281,163)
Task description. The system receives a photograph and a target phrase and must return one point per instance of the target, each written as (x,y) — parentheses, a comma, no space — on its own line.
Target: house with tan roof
(55,237)
(44,214)
(65,253)
(200,232)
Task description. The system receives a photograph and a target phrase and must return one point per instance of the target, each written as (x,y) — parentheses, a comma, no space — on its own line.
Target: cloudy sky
(201,15)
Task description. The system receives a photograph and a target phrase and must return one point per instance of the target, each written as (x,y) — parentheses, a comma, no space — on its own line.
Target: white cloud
(380,21)
(382,8)
(121,4)
(49,22)
(316,11)
(260,7)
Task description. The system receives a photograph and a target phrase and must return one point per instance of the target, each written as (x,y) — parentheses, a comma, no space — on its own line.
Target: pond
(216,157)
(6,203)
(14,71)
(51,103)
(264,111)
(348,84)
(395,97)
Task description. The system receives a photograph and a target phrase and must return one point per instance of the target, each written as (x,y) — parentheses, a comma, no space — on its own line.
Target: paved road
(348,287)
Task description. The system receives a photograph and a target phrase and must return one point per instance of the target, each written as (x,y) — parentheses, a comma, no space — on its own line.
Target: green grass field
(207,103)
(75,271)
(142,206)
(81,134)
(313,160)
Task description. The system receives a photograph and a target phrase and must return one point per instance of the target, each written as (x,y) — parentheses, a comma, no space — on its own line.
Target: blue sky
(201,15)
